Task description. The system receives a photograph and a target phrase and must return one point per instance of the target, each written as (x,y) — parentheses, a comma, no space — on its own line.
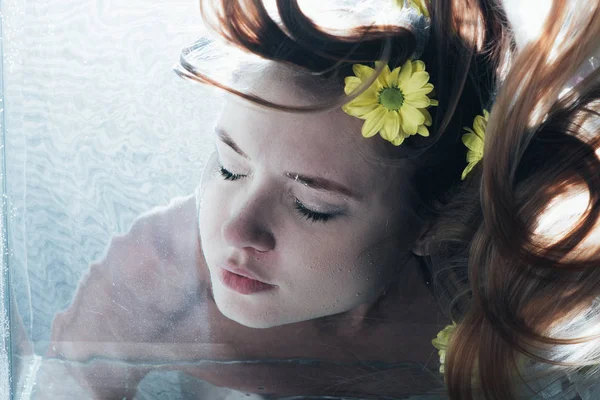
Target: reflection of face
(326,245)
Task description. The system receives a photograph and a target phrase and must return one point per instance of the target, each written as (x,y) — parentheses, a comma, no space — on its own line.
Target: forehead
(328,142)
(284,84)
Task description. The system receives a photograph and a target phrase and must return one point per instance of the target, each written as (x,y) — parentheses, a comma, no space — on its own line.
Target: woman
(295,269)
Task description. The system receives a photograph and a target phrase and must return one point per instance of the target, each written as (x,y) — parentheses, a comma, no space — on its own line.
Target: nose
(248,224)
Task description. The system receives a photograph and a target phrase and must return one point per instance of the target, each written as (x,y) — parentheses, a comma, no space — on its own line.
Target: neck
(405,297)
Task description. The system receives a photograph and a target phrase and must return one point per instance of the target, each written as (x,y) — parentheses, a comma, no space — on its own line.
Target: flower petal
(417,101)
(479,126)
(427,115)
(466,171)
(398,140)
(420,6)
(358,111)
(433,102)
(351,84)
(405,73)
(473,142)
(391,126)
(382,79)
(365,98)
(423,131)
(416,82)
(443,337)
(411,119)
(418,65)
(362,71)
(373,122)
(426,89)
(408,126)
(474,156)
(393,77)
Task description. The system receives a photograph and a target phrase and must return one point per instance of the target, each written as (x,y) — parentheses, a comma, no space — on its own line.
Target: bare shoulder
(148,273)
(165,225)
(159,255)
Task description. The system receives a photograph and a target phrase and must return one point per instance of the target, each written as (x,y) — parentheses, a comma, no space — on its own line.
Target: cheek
(341,271)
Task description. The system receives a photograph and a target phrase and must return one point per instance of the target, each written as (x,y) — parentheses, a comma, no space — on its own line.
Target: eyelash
(307,213)
(310,214)
(229,176)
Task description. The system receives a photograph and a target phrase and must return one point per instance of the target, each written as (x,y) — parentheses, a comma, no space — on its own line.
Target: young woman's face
(295,202)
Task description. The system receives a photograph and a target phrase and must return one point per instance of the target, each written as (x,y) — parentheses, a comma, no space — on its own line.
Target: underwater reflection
(145,322)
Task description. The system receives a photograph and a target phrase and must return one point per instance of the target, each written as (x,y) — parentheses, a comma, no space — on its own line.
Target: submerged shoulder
(160,254)
(160,233)
(166,231)
(145,274)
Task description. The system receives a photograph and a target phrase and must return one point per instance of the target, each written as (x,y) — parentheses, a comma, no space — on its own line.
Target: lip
(242,283)
(243,272)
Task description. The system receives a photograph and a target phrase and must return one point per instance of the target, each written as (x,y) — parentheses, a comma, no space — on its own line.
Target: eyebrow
(319,183)
(225,138)
(313,182)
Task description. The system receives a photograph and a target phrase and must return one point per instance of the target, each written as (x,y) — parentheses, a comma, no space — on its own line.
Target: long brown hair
(521,292)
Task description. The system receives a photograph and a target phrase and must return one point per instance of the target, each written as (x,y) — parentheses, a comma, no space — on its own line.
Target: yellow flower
(474,139)
(441,343)
(420,6)
(395,105)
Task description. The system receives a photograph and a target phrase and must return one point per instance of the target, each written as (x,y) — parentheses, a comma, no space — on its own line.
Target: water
(98,130)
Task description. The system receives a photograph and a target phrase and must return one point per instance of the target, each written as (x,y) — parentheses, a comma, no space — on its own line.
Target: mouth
(241,283)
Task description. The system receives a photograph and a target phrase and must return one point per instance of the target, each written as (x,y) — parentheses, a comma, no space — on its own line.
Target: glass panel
(4,276)
(105,150)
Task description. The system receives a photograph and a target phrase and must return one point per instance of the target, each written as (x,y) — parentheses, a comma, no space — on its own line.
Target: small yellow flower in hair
(474,139)
(420,6)
(395,105)
(441,343)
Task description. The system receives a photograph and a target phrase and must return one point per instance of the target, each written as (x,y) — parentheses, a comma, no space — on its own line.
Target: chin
(256,315)
(250,320)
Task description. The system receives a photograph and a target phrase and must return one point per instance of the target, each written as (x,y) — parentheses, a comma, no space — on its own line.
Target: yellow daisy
(420,6)
(441,343)
(474,139)
(395,105)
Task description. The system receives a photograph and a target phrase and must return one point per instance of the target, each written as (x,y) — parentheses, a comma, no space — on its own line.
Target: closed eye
(304,211)
(310,214)
(228,175)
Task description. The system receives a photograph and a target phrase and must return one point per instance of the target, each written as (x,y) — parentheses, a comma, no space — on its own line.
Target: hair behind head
(526,299)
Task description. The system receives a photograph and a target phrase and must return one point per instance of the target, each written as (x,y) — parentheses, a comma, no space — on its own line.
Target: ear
(421,246)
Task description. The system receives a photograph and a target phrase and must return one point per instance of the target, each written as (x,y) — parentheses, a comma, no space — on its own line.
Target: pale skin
(341,295)
(339,263)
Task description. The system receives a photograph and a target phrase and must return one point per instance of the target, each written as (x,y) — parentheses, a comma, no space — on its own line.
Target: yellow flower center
(391,98)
